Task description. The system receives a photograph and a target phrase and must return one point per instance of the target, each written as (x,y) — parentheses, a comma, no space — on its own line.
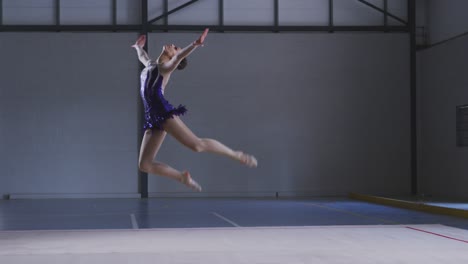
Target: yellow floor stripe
(410,205)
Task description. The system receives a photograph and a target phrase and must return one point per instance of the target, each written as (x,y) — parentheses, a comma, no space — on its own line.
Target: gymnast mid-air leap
(162,118)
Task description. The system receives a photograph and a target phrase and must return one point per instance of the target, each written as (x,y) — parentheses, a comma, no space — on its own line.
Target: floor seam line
(226,219)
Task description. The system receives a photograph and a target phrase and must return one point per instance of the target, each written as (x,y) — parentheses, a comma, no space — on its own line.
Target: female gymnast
(162,118)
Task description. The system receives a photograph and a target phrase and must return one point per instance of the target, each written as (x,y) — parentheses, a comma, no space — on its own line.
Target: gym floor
(65,214)
(222,230)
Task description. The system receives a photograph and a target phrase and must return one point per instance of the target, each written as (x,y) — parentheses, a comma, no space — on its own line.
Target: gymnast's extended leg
(176,128)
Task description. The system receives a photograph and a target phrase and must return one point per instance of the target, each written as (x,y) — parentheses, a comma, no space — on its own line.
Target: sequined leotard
(157,108)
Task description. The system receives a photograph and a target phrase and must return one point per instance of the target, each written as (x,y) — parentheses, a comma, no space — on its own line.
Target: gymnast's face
(170,50)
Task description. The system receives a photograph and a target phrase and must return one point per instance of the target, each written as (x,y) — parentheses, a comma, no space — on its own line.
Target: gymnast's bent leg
(152,141)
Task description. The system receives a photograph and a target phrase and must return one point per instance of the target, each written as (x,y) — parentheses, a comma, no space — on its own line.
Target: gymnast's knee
(198,146)
(144,165)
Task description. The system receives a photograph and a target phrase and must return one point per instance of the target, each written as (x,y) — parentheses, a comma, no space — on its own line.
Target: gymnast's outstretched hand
(140,42)
(201,39)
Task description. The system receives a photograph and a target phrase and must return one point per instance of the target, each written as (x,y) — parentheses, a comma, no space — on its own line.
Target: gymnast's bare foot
(246,159)
(189,182)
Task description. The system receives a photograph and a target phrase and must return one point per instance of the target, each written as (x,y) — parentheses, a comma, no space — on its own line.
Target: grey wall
(446,19)
(324,113)
(68,114)
(443,86)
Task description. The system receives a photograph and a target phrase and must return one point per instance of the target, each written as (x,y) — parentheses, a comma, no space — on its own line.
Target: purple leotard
(157,108)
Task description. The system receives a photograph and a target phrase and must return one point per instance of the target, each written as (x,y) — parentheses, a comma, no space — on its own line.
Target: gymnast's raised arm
(167,67)
(142,55)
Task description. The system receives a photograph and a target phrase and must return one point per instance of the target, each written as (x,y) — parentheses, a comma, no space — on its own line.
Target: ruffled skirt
(159,110)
